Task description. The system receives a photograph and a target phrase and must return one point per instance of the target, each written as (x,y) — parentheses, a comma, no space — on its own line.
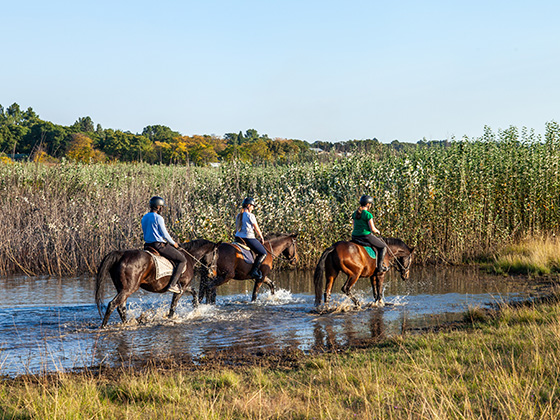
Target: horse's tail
(103,274)
(319,274)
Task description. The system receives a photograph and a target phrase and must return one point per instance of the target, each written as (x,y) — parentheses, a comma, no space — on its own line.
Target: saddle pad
(164,267)
(245,251)
(370,251)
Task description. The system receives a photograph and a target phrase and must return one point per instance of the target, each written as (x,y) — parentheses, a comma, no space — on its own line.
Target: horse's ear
(412,249)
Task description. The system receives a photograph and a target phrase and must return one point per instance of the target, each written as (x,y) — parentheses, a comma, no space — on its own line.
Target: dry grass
(530,256)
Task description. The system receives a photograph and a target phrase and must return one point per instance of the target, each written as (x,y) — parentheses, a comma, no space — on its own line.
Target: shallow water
(50,324)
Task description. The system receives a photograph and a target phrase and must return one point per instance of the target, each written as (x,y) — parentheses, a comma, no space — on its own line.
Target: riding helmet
(156,202)
(247,201)
(366,199)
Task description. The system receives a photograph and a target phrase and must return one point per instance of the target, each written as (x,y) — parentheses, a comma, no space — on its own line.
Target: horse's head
(205,253)
(403,264)
(284,245)
(401,255)
(290,253)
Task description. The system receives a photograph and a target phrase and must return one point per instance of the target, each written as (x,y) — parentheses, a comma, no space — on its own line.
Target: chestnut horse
(355,262)
(231,265)
(134,268)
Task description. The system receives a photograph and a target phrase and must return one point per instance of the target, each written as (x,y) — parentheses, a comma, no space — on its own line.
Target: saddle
(369,249)
(164,266)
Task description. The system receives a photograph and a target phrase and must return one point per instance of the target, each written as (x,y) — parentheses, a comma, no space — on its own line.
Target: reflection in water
(49,324)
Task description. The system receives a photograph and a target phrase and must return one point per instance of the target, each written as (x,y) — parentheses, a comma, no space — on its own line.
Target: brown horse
(231,265)
(134,268)
(355,262)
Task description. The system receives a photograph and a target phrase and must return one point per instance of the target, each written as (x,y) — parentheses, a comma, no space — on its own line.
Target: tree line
(24,135)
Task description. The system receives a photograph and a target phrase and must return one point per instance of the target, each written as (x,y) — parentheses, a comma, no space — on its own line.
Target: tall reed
(454,202)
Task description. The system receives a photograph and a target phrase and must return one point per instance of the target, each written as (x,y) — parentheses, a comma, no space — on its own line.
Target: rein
(214,252)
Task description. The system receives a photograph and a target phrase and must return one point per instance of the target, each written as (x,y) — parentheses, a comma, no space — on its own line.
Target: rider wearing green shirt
(363,229)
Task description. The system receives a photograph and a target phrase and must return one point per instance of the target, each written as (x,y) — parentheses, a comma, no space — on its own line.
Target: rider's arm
(257,230)
(164,233)
(372,227)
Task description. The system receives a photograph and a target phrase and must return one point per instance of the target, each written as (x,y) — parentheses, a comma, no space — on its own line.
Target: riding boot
(381,267)
(255,272)
(173,288)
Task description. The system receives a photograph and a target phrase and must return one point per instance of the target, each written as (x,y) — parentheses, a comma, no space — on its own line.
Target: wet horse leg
(174,302)
(330,276)
(177,296)
(270,284)
(258,284)
(212,286)
(118,302)
(377,288)
(256,288)
(347,287)
(122,311)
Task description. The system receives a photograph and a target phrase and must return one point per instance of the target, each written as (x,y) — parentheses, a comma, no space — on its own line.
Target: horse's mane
(271,236)
(195,242)
(396,242)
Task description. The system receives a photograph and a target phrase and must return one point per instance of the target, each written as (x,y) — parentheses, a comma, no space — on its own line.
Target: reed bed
(455,202)
(533,256)
(503,366)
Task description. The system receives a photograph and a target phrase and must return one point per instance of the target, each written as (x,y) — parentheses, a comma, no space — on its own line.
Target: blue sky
(309,70)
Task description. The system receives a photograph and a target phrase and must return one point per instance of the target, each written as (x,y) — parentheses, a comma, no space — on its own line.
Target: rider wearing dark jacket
(157,237)
(363,230)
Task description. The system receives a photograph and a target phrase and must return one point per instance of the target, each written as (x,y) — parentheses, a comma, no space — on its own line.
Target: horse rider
(246,227)
(363,230)
(157,237)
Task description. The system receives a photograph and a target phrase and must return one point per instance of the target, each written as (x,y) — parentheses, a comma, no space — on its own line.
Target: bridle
(400,268)
(212,266)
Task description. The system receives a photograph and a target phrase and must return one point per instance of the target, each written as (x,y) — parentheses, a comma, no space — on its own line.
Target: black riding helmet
(365,200)
(247,202)
(156,201)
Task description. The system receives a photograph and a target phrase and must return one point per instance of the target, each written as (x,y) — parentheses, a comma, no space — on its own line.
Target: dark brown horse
(231,265)
(353,260)
(134,268)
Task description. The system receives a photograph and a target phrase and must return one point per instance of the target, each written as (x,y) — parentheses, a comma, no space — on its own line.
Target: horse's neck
(199,251)
(397,251)
(278,244)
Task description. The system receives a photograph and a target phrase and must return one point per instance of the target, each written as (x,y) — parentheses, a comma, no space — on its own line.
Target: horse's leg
(118,302)
(347,287)
(203,288)
(212,286)
(330,275)
(270,284)
(122,312)
(380,279)
(256,288)
(192,291)
(377,288)
(174,302)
